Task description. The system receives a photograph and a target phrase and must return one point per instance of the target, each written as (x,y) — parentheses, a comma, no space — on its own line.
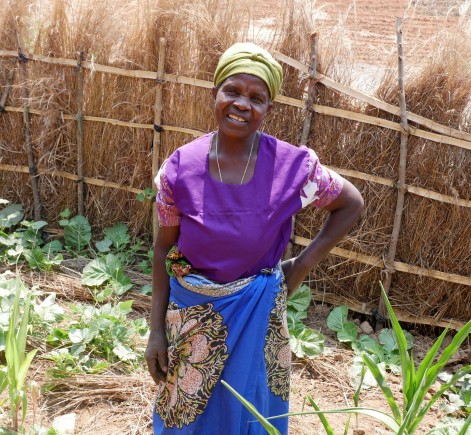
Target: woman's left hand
(294,274)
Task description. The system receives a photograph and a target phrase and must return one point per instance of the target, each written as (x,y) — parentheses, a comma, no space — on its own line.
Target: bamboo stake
(311,97)
(369,310)
(463,138)
(324,110)
(6,89)
(157,126)
(27,135)
(347,172)
(398,266)
(401,188)
(343,89)
(80,183)
(312,93)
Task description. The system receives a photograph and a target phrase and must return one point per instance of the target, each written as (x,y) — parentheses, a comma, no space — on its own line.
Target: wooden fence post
(27,136)
(311,97)
(80,181)
(401,183)
(157,126)
(6,89)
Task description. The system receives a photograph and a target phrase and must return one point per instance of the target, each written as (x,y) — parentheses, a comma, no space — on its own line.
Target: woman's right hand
(156,356)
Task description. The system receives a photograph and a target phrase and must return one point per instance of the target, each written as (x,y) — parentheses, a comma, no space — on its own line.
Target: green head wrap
(248,58)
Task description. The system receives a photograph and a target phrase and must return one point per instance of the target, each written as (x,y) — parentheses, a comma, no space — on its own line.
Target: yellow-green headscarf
(248,58)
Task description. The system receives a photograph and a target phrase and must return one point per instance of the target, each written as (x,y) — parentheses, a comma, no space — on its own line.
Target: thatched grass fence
(89,111)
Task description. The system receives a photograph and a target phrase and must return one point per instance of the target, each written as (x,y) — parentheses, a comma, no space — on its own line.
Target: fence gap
(401,183)
(80,159)
(157,126)
(22,59)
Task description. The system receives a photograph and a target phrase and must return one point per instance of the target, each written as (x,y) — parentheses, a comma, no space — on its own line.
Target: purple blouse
(233,231)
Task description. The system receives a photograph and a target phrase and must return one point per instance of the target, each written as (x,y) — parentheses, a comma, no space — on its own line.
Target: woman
(225,204)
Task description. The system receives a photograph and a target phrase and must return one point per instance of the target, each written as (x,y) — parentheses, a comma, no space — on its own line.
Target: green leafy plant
(385,352)
(416,382)
(13,375)
(77,232)
(106,270)
(304,342)
(459,395)
(117,241)
(147,194)
(21,240)
(95,337)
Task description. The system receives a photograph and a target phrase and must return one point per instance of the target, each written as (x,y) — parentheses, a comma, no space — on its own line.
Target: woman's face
(240,105)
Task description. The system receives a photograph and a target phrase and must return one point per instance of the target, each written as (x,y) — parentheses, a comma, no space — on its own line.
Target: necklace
(248,160)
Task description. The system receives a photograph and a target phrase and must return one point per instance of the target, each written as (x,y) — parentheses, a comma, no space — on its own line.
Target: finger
(163,361)
(155,371)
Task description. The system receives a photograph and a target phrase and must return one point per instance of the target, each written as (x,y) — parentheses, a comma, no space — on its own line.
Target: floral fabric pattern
(277,349)
(322,185)
(197,352)
(169,216)
(176,264)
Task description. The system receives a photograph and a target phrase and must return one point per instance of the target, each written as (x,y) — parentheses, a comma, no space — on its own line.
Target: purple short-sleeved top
(232,231)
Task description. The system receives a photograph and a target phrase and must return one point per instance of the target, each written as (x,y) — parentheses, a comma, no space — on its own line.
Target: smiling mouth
(236,118)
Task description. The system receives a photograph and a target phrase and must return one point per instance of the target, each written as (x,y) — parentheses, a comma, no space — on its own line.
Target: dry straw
(126,35)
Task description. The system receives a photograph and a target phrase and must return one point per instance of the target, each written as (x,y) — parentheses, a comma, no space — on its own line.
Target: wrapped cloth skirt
(235,332)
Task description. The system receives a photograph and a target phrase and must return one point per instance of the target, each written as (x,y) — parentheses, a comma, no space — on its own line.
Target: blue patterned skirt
(236,332)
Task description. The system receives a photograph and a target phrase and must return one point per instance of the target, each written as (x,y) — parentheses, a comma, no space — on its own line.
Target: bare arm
(344,211)
(156,352)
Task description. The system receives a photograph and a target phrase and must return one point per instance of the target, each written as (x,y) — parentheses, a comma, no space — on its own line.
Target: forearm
(344,212)
(160,290)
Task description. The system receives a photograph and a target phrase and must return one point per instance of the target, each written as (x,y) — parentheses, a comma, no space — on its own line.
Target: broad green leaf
(77,233)
(34,225)
(123,286)
(118,234)
(124,353)
(11,215)
(77,348)
(101,270)
(348,333)
(146,289)
(52,247)
(307,343)
(272,430)
(294,318)
(388,339)
(337,318)
(125,307)
(104,245)
(35,258)
(65,214)
(300,299)
(81,335)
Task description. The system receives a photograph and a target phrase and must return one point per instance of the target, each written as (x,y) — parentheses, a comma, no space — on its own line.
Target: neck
(235,146)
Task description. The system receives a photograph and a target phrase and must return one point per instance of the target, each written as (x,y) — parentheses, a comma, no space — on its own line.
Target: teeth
(237,118)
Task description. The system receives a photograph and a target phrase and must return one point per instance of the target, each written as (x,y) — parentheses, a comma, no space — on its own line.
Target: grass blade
(373,367)
(408,375)
(325,423)
(384,418)
(272,430)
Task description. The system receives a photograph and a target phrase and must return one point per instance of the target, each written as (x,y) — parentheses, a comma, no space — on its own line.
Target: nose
(242,103)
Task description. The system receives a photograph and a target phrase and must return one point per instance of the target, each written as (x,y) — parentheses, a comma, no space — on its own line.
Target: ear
(214,91)
(270,106)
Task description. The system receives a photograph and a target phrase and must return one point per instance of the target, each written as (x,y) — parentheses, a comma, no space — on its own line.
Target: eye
(231,92)
(258,100)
